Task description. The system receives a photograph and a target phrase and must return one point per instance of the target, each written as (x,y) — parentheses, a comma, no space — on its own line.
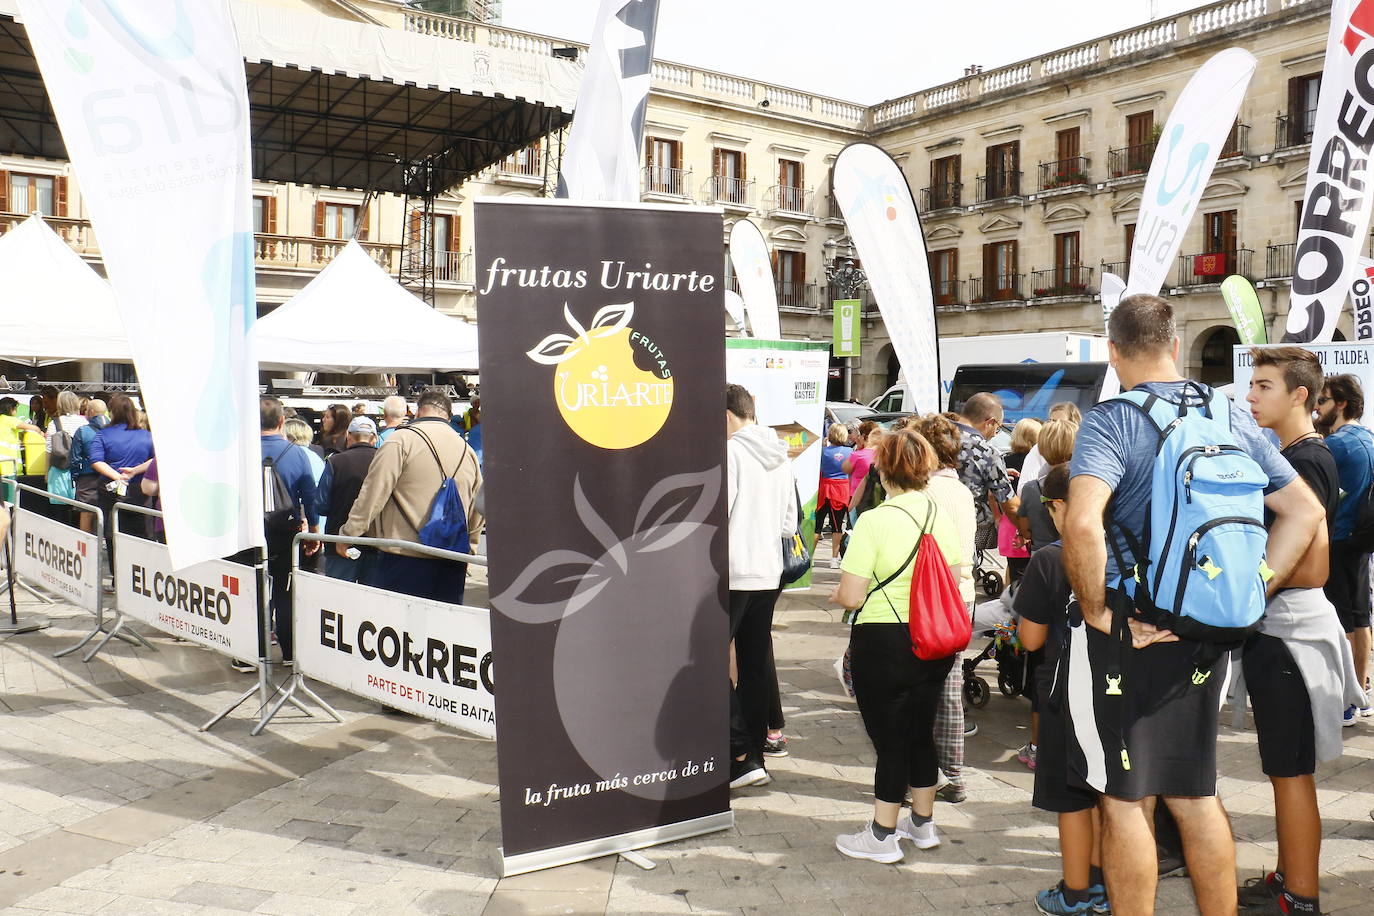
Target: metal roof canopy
(343,104)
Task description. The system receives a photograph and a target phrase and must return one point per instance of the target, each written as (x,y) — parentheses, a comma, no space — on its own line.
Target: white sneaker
(834,562)
(924,836)
(1366,712)
(864,845)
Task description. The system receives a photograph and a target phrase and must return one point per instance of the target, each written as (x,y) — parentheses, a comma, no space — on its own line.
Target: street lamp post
(847,280)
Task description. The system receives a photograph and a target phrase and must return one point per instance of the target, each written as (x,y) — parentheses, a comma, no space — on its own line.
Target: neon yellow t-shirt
(882,541)
(9,445)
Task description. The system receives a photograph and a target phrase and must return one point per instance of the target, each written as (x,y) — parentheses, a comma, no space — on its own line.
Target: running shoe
(951,793)
(970,728)
(1348,719)
(864,845)
(748,772)
(1052,902)
(1027,755)
(1366,712)
(1259,892)
(775,747)
(242,667)
(923,835)
(834,562)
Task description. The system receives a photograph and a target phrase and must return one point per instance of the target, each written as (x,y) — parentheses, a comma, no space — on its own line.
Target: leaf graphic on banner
(552,350)
(680,498)
(573,323)
(528,599)
(598,527)
(611,318)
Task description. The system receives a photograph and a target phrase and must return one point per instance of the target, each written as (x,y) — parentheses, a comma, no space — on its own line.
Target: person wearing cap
(343,477)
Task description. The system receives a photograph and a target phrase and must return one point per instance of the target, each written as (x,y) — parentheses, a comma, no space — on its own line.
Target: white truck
(1037,347)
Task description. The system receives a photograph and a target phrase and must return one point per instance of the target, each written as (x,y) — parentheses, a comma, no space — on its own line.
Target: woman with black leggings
(897,692)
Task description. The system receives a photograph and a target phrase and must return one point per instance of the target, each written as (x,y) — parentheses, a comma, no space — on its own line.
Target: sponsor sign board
(1356,359)
(63,559)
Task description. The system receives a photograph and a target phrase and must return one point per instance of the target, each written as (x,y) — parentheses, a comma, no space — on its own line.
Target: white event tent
(53,306)
(354,318)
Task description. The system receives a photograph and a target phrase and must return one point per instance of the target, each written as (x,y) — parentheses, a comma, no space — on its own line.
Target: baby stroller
(986,575)
(1004,648)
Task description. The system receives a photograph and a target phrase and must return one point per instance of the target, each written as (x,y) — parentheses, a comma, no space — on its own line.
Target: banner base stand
(23,625)
(296,683)
(623,844)
(639,860)
(5,585)
(121,630)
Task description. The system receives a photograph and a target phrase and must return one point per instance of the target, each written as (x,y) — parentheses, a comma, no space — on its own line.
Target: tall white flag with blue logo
(601,160)
(152,102)
(878,208)
(1184,157)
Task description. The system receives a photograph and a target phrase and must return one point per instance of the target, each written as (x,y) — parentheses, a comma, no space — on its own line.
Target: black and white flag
(601,161)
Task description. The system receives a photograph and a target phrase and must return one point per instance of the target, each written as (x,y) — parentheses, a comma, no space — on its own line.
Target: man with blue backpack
(1166,550)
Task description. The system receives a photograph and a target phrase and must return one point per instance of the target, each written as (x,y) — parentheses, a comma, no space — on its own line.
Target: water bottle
(353,553)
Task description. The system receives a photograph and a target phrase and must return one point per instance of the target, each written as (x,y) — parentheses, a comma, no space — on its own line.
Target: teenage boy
(1043,604)
(1296,667)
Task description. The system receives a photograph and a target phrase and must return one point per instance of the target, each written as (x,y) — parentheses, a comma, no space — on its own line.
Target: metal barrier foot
(99,628)
(121,630)
(232,706)
(288,695)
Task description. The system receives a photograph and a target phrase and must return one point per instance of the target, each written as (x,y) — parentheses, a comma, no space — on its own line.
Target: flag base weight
(23,625)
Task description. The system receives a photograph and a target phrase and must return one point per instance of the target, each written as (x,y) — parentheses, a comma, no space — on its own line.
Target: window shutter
(743,173)
(363,220)
(799,267)
(1296,95)
(649,152)
(4,192)
(319,219)
(957,169)
(677,154)
(715,163)
(801,174)
(59,194)
(272,215)
(453,237)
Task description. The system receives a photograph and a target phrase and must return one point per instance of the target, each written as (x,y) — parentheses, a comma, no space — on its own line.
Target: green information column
(846,328)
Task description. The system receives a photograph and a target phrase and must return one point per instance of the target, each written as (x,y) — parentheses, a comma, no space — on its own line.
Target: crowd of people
(1124,710)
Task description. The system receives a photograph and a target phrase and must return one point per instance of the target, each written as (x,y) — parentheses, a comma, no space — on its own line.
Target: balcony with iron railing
(997,186)
(1278,261)
(1069,281)
(1064,173)
(799,297)
(731,192)
(1294,129)
(525,167)
(948,292)
(789,202)
(1128,161)
(453,267)
(944,196)
(1116,268)
(1237,142)
(1211,267)
(662,182)
(833,213)
(997,288)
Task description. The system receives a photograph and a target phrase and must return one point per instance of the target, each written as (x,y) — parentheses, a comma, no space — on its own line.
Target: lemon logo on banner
(601,390)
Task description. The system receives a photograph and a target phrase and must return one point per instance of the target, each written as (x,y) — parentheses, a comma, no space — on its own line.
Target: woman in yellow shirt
(897,692)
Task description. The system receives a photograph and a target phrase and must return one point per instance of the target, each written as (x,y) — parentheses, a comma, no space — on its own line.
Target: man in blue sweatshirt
(293,467)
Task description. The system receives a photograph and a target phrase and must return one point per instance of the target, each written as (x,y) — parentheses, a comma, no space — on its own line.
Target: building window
(1140,141)
(791,275)
(944,274)
(1302,108)
(1066,144)
(1067,277)
(664,166)
(1003,176)
(791,194)
(265,215)
(337,221)
(944,182)
(1220,229)
(42,194)
(728,175)
(1129,230)
(1000,280)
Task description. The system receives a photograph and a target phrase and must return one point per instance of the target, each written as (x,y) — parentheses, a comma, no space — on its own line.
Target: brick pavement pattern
(111,802)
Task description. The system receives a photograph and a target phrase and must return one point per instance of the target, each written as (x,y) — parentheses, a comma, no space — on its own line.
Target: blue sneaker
(1349,718)
(1051,902)
(1101,906)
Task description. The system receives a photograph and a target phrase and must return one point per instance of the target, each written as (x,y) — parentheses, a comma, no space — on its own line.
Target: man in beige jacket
(395,499)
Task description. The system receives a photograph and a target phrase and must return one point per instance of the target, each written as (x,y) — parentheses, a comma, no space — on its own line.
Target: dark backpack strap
(467,450)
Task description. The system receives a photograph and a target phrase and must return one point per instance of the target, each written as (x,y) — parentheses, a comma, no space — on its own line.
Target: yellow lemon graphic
(601,394)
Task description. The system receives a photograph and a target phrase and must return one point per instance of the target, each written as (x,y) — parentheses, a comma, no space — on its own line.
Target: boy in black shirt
(1044,604)
(1293,663)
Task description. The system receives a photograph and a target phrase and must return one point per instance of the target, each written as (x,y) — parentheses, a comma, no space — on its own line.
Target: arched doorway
(894,366)
(1215,363)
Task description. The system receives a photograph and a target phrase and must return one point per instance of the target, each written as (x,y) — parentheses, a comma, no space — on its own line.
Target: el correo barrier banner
(153,106)
(603,378)
(878,208)
(1185,155)
(601,161)
(1362,300)
(423,657)
(1357,359)
(1243,303)
(1336,203)
(847,341)
(63,559)
(214,604)
(749,258)
(787,379)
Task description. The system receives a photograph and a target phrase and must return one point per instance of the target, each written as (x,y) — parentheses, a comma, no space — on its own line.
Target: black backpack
(280,522)
(1362,534)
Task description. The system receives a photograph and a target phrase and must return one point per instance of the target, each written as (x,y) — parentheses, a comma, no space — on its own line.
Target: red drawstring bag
(939,623)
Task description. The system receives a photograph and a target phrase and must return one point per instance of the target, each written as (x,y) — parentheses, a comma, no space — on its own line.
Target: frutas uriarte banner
(153,106)
(603,376)
(876,201)
(1184,157)
(601,161)
(1336,203)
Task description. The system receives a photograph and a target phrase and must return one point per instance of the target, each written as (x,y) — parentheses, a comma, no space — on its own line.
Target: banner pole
(263,687)
(99,592)
(16,624)
(121,629)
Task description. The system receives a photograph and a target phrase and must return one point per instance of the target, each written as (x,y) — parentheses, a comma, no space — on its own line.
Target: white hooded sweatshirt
(761,505)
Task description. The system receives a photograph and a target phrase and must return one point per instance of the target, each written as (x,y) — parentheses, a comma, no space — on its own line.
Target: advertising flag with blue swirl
(152,102)
(881,215)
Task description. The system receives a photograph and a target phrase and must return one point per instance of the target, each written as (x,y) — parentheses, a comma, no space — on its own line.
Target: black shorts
(1347,586)
(1158,734)
(834,514)
(1032,686)
(1283,710)
(1053,791)
(88,489)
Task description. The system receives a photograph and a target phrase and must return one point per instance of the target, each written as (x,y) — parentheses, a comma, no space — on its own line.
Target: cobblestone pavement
(112,802)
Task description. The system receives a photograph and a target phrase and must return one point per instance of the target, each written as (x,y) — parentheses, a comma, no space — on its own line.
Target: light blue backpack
(1200,562)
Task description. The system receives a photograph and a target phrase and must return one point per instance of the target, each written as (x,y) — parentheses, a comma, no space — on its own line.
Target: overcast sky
(862,50)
